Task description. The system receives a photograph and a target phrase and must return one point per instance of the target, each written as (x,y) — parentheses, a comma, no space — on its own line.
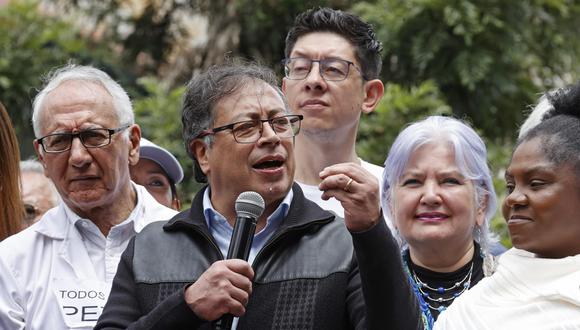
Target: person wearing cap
(158,171)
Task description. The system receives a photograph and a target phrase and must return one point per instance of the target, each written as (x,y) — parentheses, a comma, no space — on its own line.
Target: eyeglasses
(90,138)
(331,69)
(30,212)
(250,131)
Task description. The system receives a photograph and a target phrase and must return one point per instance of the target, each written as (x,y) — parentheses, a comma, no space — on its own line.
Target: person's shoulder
(24,244)
(153,210)
(157,228)
(159,212)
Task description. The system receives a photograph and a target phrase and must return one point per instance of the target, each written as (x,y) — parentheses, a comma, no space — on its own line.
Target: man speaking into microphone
(306,267)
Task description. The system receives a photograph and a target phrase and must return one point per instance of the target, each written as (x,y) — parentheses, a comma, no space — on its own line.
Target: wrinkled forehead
(253,99)
(77,100)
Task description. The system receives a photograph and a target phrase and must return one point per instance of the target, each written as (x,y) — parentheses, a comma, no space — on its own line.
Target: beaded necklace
(435,299)
(426,315)
(445,295)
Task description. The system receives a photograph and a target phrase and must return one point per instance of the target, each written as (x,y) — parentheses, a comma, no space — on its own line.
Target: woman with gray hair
(438,191)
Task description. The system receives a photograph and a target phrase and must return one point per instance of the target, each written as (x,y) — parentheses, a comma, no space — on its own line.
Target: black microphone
(249,207)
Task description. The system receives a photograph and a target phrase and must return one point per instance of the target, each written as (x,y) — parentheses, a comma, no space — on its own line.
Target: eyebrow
(531,170)
(441,173)
(255,115)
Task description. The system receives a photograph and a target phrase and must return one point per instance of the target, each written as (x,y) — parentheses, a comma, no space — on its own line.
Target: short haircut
(558,127)
(360,34)
(208,88)
(470,158)
(34,166)
(55,78)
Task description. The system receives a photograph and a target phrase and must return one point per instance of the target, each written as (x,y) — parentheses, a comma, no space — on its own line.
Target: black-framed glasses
(250,131)
(331,69)
(90,138)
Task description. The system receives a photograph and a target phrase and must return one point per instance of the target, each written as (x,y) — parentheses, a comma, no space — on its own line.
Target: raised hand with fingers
(225,287)
(358,192)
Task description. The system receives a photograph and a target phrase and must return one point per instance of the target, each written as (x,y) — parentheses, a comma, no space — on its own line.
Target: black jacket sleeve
(389,299)
(122,310)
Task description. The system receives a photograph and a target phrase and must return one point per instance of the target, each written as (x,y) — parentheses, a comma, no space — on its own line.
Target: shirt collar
(213,217)
(75,220)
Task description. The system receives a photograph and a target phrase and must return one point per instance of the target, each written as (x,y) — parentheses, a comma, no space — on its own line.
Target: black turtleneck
(446,280)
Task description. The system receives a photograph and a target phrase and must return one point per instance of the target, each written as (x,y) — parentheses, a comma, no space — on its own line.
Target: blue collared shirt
(222,231)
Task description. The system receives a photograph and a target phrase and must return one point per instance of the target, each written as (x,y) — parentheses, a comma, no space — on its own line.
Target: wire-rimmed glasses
(331,69)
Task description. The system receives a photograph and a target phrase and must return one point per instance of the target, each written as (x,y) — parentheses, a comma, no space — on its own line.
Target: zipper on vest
(209,239)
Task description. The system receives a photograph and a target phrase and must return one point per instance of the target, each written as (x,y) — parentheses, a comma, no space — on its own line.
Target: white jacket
(46,271)
(525,292)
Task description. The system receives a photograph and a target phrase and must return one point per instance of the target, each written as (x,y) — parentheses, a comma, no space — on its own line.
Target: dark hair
(173,188)
(359,33)
(206,89)
(11,207)
(559,129)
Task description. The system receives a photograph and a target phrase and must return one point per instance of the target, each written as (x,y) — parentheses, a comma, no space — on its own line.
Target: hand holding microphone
(224,288)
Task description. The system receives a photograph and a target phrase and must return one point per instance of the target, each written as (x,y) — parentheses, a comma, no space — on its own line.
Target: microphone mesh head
(250,204)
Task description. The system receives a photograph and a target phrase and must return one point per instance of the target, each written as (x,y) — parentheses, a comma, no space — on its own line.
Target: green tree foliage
(265,24)
(30,44)
(33,42)
(399,106)
(489,58)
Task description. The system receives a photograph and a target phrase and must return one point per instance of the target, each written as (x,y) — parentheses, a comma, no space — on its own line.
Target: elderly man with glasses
(331,78)
(57,273)
(305,268)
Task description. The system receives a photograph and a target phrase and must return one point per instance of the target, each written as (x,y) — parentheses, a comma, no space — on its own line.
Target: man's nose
(79,155)
(314,79)
(269,135)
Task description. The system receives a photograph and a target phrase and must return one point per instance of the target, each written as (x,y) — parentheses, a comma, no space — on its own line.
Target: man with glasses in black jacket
(307,269)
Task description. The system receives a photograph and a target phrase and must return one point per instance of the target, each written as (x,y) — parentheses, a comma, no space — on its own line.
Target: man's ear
(40,154)
(284,85)
(134,140)
(374,90)
(200,151)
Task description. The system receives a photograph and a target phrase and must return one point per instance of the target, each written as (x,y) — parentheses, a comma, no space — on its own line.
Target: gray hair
(470,158)
(34,166)
(31,165)
(121,101)
(205,90)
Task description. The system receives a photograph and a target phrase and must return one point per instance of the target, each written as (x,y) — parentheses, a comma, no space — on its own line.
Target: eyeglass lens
(92,138)
(330,69)
(250,131)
